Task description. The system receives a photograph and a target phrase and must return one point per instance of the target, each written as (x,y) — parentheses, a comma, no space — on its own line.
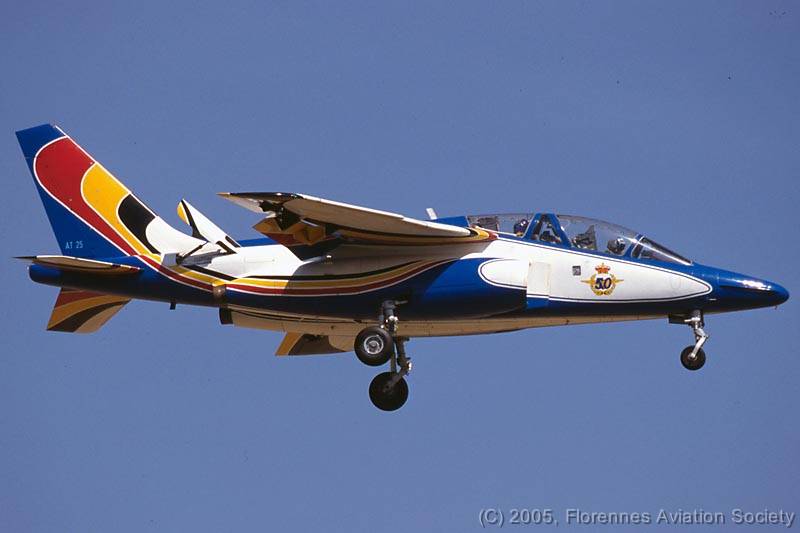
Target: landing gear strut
(693,357)
(375,346)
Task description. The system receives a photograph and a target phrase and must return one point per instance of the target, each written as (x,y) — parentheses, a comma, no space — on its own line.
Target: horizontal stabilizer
(308,344)
(79,311)
(203,228)
(78,264)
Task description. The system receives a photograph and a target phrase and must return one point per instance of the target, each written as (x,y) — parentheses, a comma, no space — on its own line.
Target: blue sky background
(679,119)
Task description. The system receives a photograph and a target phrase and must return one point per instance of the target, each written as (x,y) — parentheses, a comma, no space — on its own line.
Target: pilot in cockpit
(521,227)
(616,246)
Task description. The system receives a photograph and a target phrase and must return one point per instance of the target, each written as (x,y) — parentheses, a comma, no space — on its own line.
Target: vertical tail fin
(92,213)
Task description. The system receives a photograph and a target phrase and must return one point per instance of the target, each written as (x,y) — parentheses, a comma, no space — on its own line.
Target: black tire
(388,399)
(693,364)
(374,346)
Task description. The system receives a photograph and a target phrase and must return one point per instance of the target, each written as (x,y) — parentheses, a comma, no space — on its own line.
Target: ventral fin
(79,311)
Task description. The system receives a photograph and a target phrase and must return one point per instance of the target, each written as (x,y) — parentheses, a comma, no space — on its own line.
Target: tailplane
(92,213)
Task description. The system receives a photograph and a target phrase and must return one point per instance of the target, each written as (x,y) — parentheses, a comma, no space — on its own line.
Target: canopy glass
(578,232)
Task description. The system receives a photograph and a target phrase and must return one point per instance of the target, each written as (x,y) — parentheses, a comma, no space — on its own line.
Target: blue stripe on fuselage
(148,284)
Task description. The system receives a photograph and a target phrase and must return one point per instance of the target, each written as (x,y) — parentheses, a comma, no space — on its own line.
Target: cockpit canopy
(578,232)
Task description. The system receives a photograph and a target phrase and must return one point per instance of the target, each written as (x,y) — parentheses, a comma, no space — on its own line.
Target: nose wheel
(692,361)
(377,345)
(388,391)
(693,357)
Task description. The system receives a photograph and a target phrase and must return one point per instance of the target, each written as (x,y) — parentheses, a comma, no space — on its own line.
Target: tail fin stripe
(60,170)
(110,199)
(136,217)
(92,213)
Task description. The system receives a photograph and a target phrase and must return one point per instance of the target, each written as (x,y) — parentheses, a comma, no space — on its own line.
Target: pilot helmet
(616,246)
(520,227)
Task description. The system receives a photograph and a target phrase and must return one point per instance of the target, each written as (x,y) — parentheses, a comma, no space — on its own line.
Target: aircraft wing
(293,219)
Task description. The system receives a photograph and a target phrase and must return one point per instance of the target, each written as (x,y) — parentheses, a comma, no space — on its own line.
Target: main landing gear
(377,345)
(693,357)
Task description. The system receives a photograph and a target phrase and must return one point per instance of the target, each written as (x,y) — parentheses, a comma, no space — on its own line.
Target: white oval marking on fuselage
(641,282)
(512,273)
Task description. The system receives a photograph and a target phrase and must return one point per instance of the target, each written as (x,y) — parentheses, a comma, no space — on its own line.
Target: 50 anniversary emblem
(603,282)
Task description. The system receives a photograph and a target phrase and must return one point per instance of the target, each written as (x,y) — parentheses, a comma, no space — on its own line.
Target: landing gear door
(538,290)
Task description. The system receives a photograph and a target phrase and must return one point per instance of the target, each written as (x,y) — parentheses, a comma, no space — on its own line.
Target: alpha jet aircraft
(336,277)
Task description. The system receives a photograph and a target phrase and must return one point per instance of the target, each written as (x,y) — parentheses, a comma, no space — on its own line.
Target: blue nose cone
(779,294)
(745,292)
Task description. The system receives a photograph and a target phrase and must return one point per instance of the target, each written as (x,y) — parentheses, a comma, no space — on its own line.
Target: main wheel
(374,346)
(693,364)
(388,398)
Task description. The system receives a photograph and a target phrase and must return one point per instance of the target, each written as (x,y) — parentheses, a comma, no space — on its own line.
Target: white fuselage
(547,273)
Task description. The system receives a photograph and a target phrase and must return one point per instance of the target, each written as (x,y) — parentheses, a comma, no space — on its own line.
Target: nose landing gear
(388,391)
(693,357)
(376,345)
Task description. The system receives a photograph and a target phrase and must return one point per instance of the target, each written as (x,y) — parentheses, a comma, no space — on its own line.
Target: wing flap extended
(79,311)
